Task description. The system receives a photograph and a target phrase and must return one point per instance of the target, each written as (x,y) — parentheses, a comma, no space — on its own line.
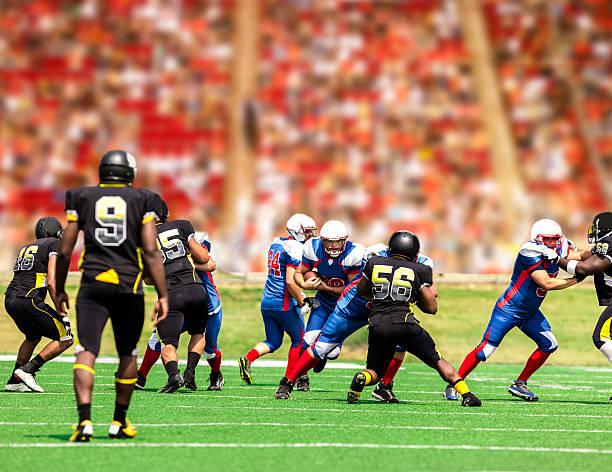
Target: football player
(519,306)
(212,352)
(187,299)
(120,242)
(282,303)
(395,284)
(337,261)
(350,314)
(598,262)
(34,275)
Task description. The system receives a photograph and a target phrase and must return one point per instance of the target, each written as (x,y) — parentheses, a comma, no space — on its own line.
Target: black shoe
(356,388)
(174,383)
(469,399)
(303,384)
(384,393)
(245,370)
(320,366)
(285,387)
(189,379)
(140,381)
(216,381)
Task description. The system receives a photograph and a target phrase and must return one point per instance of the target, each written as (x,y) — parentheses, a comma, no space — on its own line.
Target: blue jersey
(214,301)
(524,296)
(282,253)
(334,272)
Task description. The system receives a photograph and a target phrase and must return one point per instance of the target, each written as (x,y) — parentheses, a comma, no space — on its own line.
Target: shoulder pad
(531,249)
(293,248)
(311,249)
(425,260)
(374,249)
(355,255)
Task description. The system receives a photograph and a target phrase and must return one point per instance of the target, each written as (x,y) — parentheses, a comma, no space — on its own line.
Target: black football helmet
(161,208)
(601,227)
(404,244)
(117,167)
(48,227)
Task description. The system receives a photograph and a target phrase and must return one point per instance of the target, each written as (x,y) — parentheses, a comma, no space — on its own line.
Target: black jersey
(603,280)
(30,269)
(111,217)
(396,284)
(173,241)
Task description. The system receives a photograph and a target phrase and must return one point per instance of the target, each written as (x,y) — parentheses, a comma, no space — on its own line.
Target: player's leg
(316,321)
(127,317)
(538,329)
(293,325)
(48,323)
(92,315)
(151,355)
(417,341)
(274,338)
(602,336)
(168,333)
(196,317)
(384,389)
(212,352)
(14,308)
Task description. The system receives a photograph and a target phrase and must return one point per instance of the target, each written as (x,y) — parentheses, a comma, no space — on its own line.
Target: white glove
(550,255)
(200,236)
(572,245)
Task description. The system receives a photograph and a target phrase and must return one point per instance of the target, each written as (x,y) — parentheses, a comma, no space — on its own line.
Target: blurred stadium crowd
(366,112)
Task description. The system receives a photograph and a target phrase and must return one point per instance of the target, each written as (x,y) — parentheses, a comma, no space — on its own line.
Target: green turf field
(245,428)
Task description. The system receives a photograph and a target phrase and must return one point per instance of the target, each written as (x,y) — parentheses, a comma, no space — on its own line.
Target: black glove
(580,278)
(312,303)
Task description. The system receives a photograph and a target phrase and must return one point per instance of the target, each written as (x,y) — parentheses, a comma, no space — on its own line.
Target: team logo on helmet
(601,227)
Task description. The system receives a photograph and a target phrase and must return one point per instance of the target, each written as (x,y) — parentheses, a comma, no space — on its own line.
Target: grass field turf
(245,428)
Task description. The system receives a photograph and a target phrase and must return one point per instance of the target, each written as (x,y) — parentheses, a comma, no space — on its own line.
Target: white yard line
(467,447)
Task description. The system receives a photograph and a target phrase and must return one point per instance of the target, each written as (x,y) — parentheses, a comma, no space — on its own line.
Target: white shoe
(29,380)
(17,387)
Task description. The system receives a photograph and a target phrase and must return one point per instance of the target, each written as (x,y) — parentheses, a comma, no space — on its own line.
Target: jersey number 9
(111,214)
(400,287)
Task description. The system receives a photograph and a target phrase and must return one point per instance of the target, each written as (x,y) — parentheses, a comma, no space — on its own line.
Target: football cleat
(519,389)
(174,383)
(189,379)
(320,366)
(245,370)
(450,393)
(29,380)
(285,387)
(216,381)
(120,431)
(17,387)
(303,384)
(469,399)
(83,431)
(140,381)
(356,388)
(384,393)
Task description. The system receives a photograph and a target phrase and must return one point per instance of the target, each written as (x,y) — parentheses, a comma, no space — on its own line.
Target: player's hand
(312,284)
(160,311)
(572,245)
(310,303)
(580,278)
(61,303)
(550,255)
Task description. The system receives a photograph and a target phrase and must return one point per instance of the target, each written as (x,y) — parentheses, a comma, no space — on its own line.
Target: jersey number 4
(273,264)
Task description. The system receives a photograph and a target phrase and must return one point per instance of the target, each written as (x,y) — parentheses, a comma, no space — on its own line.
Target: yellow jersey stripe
(140,266)
(61,329)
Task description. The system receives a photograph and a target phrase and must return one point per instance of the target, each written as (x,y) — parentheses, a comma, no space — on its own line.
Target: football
(310,275)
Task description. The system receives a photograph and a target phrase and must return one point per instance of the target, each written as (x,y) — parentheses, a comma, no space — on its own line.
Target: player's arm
(62,263)
(547,282)
(292,286)
(298,277)
(199,253)
(155,268)
(210,266)
(51,277)
(427,302)
(364,288)
(337,291)
(592,265)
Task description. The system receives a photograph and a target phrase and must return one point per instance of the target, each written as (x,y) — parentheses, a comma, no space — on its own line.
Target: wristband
(571,267)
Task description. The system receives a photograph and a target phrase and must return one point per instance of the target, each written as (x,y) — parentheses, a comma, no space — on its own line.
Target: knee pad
(486,352)
(154,343)
(606,349)
(209,355)
(552,347)
(326,350)
(311,336)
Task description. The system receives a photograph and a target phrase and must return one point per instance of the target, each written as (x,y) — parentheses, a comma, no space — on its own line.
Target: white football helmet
(301,227)
(333,236)
(547,232)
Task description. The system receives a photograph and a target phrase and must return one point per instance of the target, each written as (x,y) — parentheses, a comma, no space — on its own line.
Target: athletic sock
(292,358)
(148,361)
(120,412)
(14,379)
(84,412)
(252,355)
(171,368)
(34,365)
(391,372)
(534,362)
(192,360)
(468,365)
(606,349)
(302,366)
(461,387)
(215,362)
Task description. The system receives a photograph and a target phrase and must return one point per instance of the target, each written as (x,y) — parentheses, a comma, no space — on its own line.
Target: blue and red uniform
(519,305)
(279,309)
(335,273)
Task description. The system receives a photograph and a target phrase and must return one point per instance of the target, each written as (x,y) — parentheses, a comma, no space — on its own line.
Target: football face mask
(333,247)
